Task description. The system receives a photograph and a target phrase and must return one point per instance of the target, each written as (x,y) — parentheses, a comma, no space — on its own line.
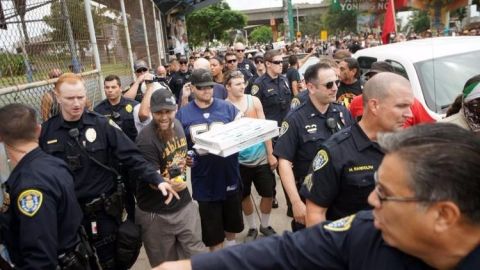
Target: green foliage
(419,21)
(262,34)
(312,25)
(213,22)
(11,65)
(337,20)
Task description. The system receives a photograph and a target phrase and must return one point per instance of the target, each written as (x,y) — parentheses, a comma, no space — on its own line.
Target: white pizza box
(225,140)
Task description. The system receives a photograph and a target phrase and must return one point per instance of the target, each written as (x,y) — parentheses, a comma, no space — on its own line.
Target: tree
(419,21)
(337,20)
(262,34)
(212,22)
(312,25)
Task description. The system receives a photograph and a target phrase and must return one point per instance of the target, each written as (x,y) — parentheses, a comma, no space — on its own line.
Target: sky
(257,4)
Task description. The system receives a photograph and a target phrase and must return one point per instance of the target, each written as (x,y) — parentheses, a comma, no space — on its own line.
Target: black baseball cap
(140,64)
(378,67)
(162,99)
(202,77)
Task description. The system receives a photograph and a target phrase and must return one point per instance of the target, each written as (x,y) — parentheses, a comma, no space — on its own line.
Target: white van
(437,68)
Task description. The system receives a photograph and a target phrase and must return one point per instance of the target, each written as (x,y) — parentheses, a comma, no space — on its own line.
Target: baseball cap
(378,67)
(162,99)
(201,77)
(258,55)
(139,64)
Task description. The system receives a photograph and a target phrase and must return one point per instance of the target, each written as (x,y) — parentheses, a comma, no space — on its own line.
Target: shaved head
(201,63)
(381,85)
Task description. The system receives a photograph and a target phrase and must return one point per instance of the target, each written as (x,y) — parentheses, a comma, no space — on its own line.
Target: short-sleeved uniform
(215,180)
(102,139)
(351,243)
(298,99)
(121,114)
(342,176)
(44,216)
(275,96)
(303,132)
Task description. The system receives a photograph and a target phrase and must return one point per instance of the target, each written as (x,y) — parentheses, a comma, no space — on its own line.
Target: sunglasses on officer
(141,70)
(276,62)
(329,85)
(240,50)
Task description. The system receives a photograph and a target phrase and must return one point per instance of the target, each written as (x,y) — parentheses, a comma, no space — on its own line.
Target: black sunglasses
(183,62)
(231,61)
(240,50)
(276,62)
(329,85)
(258,61)
(204,87)
(140,70)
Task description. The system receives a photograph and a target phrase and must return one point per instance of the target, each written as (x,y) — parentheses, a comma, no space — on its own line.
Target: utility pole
(290,21)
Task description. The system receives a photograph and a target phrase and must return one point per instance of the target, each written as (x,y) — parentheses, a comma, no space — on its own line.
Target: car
(437,68)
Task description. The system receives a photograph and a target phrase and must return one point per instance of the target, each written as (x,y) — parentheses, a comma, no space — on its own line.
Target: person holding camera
(169,231)
(92,145)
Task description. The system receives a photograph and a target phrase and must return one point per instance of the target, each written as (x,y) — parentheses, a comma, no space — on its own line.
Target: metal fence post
(162,37)
(156,33)
(145,33)
(71,40)
(93,42)
(127,37)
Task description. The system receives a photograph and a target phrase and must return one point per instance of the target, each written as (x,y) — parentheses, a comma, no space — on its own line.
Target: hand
(299,211)
(178,265)
(189,161)
(272,161)
(177,186)
(147,76)
(168,191)
(186,90)
(141,78)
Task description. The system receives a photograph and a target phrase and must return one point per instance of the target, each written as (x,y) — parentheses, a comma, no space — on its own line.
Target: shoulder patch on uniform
(29,202)
(113,124)
(295,102)
(255,89)
(283,128)
(340,225)
(129,108)
(320,160)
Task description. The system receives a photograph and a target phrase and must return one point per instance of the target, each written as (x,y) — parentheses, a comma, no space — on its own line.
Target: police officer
(116,107)
(272,88)
(121,111)
(243,62)
(90,143)
(44,216)
(180,78)
(343,167)
(304,130)
(420,219)
(231,65)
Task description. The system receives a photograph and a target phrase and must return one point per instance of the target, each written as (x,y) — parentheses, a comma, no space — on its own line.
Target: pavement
(278,220)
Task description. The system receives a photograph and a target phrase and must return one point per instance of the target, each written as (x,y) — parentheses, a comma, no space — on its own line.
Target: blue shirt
(351,243)
(212,175)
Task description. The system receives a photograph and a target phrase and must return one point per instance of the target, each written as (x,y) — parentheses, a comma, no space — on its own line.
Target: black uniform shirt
(44,213)
(121,114)
(177,81)
(102,139)
(248,65)
(304,130)
(351,243)
(343,171)
(275,96)
(300,98)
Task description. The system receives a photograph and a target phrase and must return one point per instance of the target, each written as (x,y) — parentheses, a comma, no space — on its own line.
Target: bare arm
(295,88)
(144,111)
(288,181)
(315,214)
(46,105)
(272,160)
(186,92)
(302,61)
(132,92)
(178,265)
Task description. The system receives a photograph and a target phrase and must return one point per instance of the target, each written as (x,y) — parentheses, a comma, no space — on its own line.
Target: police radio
(331,124)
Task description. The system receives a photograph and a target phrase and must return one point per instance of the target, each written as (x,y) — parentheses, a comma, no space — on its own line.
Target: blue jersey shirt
(212,176)
(349,243)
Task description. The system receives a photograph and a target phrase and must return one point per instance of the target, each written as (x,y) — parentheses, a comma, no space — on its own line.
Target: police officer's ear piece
(74,133)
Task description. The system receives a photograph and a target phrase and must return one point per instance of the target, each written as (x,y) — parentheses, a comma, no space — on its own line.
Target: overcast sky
(256,4)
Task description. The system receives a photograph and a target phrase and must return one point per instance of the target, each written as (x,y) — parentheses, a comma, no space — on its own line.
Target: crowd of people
(92,184)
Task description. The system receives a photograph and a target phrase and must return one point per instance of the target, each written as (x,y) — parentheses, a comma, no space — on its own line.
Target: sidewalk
(278,220)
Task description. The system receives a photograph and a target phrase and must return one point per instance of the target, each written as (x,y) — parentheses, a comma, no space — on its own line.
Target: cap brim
(158,108)
(203,84)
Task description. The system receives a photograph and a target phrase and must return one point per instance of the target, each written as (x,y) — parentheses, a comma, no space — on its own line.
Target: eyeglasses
(204,87)
(329,85)
(276,62)
(382,197)
(240,50)
(141,70)
(258,61)
(183,62)
(231,61)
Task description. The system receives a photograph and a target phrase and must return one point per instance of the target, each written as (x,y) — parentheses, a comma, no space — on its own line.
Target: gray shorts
(171,236)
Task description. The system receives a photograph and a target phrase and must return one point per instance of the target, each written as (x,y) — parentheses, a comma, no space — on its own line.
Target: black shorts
(219,217)
(261,176)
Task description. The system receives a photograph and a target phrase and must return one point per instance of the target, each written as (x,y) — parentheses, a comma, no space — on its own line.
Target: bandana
(471,92)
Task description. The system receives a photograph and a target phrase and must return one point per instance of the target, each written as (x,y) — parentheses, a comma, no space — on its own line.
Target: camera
(156,78)
(175,173)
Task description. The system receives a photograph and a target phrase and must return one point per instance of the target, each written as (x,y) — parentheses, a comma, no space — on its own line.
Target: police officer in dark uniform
(343,167)
(272,88)
(304,130)
(90,143)
(300,98)
(412,227)
(44,217)
(120,110)
(180,78)
(243,62)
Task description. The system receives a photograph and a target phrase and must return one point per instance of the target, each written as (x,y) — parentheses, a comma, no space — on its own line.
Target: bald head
(382,85)
(201,63)
(161,71)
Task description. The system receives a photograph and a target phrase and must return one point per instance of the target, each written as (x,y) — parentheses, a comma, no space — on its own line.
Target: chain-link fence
(39,38)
